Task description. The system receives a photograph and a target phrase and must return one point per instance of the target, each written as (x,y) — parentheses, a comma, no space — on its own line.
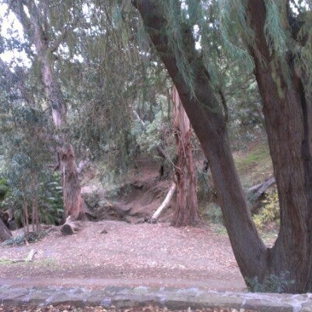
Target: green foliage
(30,237)
(272,283)
(208,209)
(269,212)
(203,185)
(214,214)
(46,197)
(4,188)
(155,133)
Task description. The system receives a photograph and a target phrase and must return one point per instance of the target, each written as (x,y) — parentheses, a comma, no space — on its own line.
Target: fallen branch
(164,204)
(70,227)
(259,189)
(29,257)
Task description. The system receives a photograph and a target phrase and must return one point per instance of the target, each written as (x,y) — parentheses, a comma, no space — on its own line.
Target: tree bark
(73,202)
(186,210)
(288,116)
(5,233)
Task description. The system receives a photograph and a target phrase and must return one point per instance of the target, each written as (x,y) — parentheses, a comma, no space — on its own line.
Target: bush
(4,188)
(45,196)
(212,213)
(272,283)
(269,212)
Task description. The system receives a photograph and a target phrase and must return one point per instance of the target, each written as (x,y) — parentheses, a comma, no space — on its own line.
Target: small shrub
(203,185)
(30,237)
(48,196)
(213,213)
(272,283)
(4,188)
(269,212)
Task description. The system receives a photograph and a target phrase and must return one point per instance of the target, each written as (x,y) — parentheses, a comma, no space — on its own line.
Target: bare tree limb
(164,204)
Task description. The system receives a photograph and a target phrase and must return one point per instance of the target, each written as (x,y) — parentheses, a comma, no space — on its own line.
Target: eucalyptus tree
(25,143)
(110,75)
(272,39)
(45,26)
(81,61)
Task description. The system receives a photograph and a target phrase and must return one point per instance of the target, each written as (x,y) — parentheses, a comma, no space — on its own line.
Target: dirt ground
(116,253)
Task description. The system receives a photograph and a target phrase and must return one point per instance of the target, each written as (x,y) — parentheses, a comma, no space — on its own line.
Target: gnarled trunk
(73,202)
(186,210)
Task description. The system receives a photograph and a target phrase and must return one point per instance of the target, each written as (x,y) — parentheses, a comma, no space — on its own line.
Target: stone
(175,299)
(265,305)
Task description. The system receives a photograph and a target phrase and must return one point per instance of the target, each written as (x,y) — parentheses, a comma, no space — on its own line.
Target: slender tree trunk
(186,211)
(33,23)
(70,180)
(164,204)
(73,202)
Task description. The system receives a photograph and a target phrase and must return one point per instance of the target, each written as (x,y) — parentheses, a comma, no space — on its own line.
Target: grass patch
(254,165)
(5,261)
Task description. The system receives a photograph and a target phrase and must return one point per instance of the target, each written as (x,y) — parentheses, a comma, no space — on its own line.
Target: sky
(11,26)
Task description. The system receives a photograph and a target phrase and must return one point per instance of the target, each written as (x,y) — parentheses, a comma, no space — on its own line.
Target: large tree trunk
(287,111)
(207,119)
(288,117)
(186,210)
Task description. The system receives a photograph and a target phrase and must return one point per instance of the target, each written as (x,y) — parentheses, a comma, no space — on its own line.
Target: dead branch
(164,204)
(260,188)
(29,257)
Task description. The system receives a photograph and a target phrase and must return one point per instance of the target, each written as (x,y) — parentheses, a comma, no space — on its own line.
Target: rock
(138,297)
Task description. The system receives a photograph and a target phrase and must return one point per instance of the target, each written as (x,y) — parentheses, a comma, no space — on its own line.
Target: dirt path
(116,253)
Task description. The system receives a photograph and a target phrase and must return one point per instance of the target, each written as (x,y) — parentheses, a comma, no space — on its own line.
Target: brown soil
(142,254)
(117,253)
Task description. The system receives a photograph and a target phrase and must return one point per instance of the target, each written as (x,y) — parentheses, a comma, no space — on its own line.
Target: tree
(278,43)
(186,210)
(184,178)
(35,20)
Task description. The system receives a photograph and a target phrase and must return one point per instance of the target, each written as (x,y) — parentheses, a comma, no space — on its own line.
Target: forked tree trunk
(208,122)
(186,210)
(288,117)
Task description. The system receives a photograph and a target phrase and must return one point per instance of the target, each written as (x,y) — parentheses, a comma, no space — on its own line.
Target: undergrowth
(269,213)
(30,237)
(272,283)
